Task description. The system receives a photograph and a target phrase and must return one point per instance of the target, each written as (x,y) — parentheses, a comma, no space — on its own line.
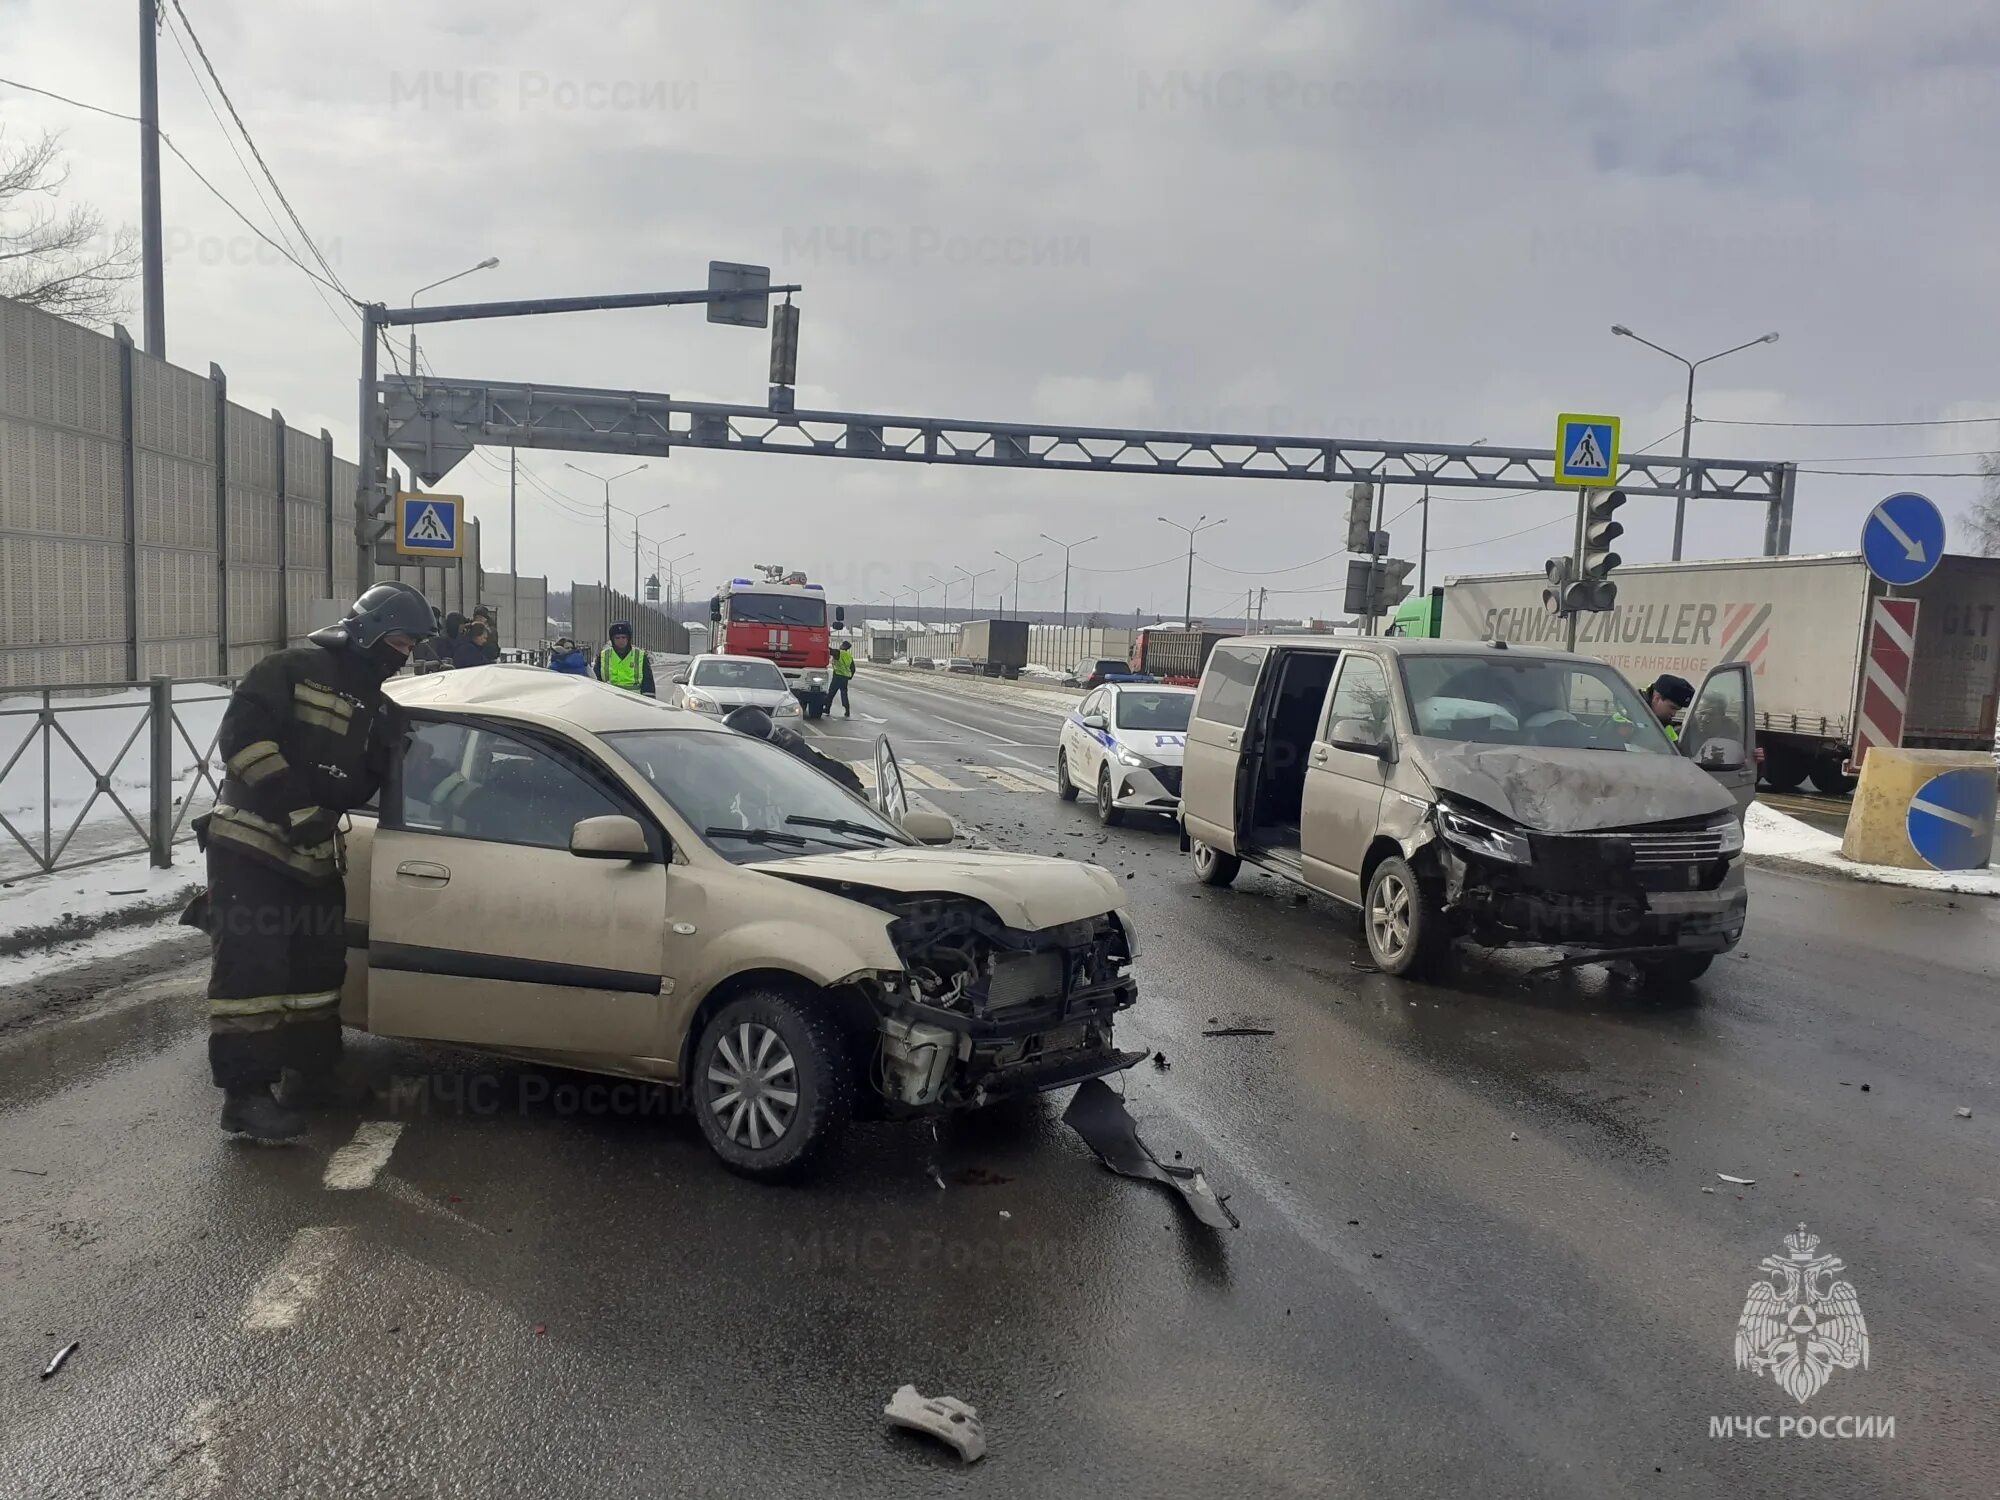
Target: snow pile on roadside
(41,913)
(1771,835)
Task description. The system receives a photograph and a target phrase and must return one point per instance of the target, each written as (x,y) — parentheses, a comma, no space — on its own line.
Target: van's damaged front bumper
(984,1012)
(1617,893)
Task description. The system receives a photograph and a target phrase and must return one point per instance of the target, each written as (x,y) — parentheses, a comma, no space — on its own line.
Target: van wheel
(1065,788)
(1829,778)
(1405,930)
(771,1085)
(1672,971)
(1213,867)
(1107,814)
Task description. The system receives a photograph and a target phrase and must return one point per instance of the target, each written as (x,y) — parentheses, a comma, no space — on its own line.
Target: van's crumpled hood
(1573,791)
(1025,891)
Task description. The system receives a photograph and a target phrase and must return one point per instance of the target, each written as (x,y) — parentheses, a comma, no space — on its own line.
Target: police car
(1123,744)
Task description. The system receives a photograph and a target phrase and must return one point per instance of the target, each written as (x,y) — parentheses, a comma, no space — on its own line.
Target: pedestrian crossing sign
(427,525)
(1586,450)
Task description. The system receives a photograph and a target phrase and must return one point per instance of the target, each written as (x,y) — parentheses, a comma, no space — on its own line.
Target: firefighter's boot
(255,1114)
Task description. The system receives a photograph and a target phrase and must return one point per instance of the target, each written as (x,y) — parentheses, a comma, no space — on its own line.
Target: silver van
(1455,789)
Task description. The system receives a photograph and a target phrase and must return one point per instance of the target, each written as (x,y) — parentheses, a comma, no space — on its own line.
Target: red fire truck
(783,619)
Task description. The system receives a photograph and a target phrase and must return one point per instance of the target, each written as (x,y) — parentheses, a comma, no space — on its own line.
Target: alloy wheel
(1389,916)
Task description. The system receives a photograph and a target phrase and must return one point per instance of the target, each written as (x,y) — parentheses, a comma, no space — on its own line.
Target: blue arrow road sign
(1951,819)
(1903,539)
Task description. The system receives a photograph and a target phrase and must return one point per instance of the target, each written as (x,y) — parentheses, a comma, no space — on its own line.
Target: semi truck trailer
(1803,622)
(999,646)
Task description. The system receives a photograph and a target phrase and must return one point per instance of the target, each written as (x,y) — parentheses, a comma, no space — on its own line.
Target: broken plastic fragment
(1099,1116)
(945,1418)
(1739,1181)
(1965,1111)
(62,1357)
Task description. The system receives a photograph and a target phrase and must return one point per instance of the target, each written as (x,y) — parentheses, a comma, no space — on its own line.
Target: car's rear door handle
(1235,737)
(1319,752)
(422,872)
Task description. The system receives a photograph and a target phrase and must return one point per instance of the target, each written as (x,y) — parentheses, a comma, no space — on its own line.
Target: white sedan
(1124,744)
(715,684)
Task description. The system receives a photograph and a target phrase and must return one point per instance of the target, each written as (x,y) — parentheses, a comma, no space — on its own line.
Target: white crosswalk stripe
(981,778)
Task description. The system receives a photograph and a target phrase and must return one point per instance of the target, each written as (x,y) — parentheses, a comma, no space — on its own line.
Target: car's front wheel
(1107,810)
(1406,931)
(770,1083)
(1065,788)
(1212,866)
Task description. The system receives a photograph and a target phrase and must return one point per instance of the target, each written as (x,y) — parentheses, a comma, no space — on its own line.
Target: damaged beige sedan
(563,872)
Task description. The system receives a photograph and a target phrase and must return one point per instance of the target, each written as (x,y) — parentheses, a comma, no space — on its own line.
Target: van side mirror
(929,827)
(1362,736)
(1720,755)
(611,836)
(715,611)
(680,679)
(840,617)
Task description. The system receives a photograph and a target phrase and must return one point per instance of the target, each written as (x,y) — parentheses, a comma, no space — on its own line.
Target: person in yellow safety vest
(1669,697)
(843,677)
(624,665)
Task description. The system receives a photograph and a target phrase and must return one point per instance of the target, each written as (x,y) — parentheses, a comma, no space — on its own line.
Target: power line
(1933,422)
(1904,473)
(249,141)
(181,156)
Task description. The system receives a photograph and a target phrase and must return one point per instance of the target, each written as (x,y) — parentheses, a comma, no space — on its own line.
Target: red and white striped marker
(1885,677)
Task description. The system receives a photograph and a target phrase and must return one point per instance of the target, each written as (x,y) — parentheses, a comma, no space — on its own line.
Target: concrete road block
(1878,826)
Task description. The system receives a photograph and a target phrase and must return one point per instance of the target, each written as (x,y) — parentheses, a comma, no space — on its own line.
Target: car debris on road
(946,1418)
(1099,1116)
(1739,1181)
(61,1358)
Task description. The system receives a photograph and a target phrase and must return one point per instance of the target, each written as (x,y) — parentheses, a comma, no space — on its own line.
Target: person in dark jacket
(759,725)
(470,649)
(567,656)
(484,614)
(623,664)
(307,737)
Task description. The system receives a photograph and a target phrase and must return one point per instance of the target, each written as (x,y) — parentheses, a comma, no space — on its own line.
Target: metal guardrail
(161,721)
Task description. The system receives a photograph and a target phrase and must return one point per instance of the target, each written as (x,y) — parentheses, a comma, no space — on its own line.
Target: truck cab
(782,618)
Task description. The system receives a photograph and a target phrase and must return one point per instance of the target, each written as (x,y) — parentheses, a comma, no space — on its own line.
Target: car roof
(1399,645)
(1149,687)
(558,699)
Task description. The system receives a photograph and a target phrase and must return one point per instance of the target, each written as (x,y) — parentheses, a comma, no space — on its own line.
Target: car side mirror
(680,679)
(1096,721)
(1720,755)
(611,836)
(1362,736)
(929,827)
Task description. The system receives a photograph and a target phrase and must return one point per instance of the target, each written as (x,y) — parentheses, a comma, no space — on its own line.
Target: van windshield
(1493,700)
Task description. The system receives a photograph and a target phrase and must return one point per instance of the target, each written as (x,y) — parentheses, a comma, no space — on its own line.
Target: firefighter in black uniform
(307,737)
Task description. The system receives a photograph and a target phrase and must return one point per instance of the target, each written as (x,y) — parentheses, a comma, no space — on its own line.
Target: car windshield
(750,800)
(777,609)
(1495,699)
(1167,711)
(1112,668)
(722,673)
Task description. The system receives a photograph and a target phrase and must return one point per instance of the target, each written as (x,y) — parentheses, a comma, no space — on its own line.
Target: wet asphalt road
(1476,1257)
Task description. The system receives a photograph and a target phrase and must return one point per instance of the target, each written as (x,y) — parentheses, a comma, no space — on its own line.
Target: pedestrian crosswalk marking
(997,778)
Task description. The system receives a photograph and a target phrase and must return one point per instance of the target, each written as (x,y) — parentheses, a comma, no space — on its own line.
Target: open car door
(1720,731)
(892,799)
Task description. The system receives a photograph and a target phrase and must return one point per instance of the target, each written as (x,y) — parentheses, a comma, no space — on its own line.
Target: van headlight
(1732,836)
(1482,837)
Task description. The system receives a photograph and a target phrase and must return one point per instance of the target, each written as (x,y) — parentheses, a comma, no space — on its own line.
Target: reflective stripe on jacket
(620,671)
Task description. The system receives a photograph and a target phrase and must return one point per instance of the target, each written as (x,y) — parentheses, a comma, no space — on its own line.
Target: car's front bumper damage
(983,1012)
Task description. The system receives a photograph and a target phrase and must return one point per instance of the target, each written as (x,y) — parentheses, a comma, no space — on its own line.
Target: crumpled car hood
(1025,891)
(1573,791)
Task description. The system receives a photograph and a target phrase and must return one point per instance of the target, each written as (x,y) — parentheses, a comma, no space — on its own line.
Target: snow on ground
(1772,835)
(101,724)
(69,918)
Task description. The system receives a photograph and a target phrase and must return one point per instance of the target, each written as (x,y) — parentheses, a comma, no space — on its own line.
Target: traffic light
(1361,517)
(1390,589)
(1593,590)
(1555,598)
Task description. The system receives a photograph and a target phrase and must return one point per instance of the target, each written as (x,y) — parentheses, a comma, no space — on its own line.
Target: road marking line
(276,1301)
(924,776)
(356,1164)
(184,1464)
(975,729)
(1010,780)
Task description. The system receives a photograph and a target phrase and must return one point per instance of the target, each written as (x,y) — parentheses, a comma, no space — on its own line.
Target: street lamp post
(1016,561)
(1067,547)
(635,543)
(1201,524)
(944,598)
(1687,418)
(972,591)
(671,569)
(607,483)
(485,265)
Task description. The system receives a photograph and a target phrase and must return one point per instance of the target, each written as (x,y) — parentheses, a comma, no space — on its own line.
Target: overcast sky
(1410,219)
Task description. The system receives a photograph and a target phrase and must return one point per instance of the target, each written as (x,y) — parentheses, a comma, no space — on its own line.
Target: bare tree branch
(1983,520)
(60,259)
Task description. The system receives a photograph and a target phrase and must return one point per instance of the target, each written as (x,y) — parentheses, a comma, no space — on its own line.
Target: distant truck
(999,646)
(1418,617)
(1174,653)
(1803,622)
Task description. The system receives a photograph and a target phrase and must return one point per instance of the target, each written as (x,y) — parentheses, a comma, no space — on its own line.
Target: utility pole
(607,483)
(514,549)
(1067,548)
(1016,561)
(152,252)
